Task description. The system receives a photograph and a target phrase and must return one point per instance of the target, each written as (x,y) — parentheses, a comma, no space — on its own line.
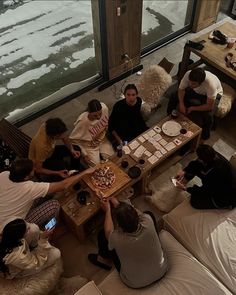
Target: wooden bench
(17,140)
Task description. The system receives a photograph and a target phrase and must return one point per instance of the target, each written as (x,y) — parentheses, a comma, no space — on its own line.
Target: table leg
(80,233)
(195,143)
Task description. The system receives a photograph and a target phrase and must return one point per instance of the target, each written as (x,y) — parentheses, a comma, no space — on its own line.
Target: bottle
(119,150)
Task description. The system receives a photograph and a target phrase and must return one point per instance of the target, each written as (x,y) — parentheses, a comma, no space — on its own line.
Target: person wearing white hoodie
(19,258)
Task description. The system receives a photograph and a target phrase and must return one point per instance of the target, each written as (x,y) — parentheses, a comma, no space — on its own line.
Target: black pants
(104,251)
(201,200)
(57,161)
(203,119)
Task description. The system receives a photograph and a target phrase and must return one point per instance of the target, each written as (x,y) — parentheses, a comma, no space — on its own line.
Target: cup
(230,43)
(174,114)
(141,161)
(119,151)
(124,164)
(183,131)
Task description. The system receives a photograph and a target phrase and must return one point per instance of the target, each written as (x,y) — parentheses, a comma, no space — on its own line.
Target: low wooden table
(212,54)
(76,215)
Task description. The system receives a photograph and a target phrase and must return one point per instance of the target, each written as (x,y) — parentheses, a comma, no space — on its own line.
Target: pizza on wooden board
(103,178)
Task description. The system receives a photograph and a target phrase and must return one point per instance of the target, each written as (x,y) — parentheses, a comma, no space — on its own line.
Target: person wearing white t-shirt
(21,197)
(197,95)
(90,133)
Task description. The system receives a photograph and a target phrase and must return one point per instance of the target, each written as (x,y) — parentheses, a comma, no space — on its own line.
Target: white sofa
(201,250)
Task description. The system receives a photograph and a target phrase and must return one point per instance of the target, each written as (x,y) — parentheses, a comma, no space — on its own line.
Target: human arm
(181,94)
(66,183)
(112,123)
(108,222)
(68,144)
(39,169)
(208,106)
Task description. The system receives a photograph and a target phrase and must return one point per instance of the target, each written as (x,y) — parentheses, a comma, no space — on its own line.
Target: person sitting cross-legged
(89,133)
(27,199)
(198,94)
(134,247)
(18,258)
(126,121)
(48,157)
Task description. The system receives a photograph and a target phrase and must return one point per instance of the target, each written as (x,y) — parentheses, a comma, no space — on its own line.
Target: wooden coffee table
(76,215)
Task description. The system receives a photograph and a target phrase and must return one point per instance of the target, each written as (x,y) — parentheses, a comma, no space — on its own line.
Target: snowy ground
(46,45)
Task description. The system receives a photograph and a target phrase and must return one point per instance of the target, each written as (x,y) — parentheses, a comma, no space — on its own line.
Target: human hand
(105,204)
(114,201)
(75,154)
(47,233)
(180,175)
(89,170)
(182,108)
(180,185)
(63,173)
(189,110)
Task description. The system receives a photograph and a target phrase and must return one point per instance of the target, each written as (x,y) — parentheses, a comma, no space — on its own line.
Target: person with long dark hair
(90,133)
(18,258)
(126,121)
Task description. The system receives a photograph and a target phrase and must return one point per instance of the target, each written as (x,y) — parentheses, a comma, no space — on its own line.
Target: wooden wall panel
(123,34)
(206,14)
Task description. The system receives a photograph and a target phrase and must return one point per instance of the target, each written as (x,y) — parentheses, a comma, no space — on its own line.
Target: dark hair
(131,86)
(20,169)
(12,234)
(206,153)
(197,75)
(55,126)
(127,217)
(94,106)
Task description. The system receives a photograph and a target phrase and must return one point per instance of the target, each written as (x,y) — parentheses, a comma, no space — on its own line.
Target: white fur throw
(165,195)
(39,284)
(226,101)
(152,84)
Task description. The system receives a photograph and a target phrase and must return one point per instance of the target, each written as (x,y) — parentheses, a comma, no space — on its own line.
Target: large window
(164,18)
(45,46)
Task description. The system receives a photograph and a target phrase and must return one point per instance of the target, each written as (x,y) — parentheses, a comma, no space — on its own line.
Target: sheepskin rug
(39,284)
(165,195)
(153,84)
(226,101)
(69,286)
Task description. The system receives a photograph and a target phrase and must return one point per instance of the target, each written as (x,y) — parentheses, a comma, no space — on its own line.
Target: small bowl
(124,164)
(77,186)
(174,114)
(134,172)
(183,131)
(82,197)
(141,161)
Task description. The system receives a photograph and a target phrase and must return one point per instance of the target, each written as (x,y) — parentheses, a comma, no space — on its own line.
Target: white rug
(69,286)
(165,195)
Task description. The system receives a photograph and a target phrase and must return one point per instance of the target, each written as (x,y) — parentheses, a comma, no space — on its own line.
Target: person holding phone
(18,258)
(216,176)
(27,199)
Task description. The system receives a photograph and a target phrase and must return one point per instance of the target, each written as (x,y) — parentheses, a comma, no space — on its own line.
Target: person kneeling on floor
(18,258)
(134,247)
(216,176)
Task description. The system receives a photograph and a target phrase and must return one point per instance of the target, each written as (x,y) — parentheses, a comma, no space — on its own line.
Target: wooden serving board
(121,179)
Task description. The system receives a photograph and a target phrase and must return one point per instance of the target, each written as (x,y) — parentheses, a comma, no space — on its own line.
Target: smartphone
(51,224)
(174,181)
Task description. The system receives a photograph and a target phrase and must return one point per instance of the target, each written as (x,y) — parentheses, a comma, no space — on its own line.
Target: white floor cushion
(210,235)
(186,276)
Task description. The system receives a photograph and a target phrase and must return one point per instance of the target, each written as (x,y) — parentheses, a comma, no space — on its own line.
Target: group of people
(26,205)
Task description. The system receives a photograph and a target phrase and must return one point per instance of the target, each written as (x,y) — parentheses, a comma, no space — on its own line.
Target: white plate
(171,128)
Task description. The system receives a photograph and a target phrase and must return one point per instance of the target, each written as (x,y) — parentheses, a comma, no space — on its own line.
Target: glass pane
(45,45)
(163,18)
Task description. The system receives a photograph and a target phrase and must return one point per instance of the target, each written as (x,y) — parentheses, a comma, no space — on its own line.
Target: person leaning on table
(134,247)
(27,199)
(47,156)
